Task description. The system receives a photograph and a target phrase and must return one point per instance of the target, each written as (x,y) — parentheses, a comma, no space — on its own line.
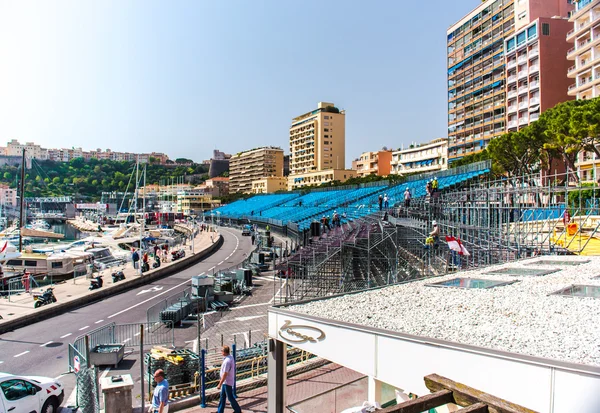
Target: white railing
(512,124)
(512,94)
(523,121)
(533,117)
(523,104)
(534,68)
(511,108)
(534,101)
(534,84)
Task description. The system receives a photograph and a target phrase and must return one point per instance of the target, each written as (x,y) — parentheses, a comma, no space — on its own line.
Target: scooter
(44,298)
(117,276)
(96,282)
(175,255)
(156,263)
(145,266)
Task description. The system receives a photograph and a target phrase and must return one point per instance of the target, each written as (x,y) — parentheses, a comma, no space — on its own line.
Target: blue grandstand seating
(354,203)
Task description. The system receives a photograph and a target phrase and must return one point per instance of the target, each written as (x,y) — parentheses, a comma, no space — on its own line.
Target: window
(14,262)
(30,263)
(522,15)
(546,29)
(16,389)
(326,142)
(532,32)
(510,45)
(326,123)
(58,264)
(521,37)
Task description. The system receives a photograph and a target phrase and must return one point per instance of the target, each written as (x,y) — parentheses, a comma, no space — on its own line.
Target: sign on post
(76,364)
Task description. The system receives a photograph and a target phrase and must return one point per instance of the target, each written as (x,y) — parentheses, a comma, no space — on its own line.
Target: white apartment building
(427,157)
(14,148)
(586,51)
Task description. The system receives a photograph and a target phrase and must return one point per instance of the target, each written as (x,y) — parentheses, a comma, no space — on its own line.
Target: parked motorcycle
(117,276)
(96,282)
(156,263)
(175,255)
(44,298)
(145,266)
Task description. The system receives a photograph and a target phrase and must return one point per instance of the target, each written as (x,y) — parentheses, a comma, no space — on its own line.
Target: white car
(27,394)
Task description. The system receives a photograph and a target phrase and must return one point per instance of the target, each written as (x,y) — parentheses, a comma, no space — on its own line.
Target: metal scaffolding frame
(498,221)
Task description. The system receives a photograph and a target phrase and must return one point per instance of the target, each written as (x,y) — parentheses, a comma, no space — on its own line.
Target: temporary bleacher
(349,203)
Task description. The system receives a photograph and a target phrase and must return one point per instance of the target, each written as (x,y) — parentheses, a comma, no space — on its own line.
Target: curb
(245,385)
(51,311)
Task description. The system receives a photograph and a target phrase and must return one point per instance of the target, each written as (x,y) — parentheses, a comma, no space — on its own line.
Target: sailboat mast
(21,203)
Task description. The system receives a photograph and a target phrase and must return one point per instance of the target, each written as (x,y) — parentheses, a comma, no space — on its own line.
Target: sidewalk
(298,388)
(21,305)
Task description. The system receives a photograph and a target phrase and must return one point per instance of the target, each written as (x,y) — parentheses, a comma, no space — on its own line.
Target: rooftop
(523,317)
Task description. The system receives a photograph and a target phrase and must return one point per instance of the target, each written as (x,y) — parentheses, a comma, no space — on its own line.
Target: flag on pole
(455,245)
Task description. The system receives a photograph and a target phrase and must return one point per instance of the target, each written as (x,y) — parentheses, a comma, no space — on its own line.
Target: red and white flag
(455,245)
(4,247)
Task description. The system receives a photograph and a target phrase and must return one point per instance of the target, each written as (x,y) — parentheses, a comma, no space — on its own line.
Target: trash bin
(116,392)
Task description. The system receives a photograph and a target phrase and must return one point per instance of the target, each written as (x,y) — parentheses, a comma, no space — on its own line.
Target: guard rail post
(235,371)
(203,378)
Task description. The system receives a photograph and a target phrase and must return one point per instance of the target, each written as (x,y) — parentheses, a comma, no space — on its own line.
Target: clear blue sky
(187,77)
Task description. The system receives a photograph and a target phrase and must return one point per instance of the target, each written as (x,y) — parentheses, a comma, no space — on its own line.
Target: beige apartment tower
(317,143)
(252,165)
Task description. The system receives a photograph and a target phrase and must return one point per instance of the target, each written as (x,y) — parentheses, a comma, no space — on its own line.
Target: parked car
(25,394)
(247,230)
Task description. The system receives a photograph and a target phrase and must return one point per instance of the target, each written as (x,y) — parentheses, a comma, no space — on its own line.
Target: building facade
(194,202)
(477,69)
(252,165)
(320,178)
(585,53)
(33,151)
(373,163)
(536,70)
(220,184)
(427,157)
(317,145)
(269,184)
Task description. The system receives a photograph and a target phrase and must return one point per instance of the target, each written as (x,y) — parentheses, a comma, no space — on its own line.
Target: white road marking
(126,340)
(66,335)
(149,299)
(211,268)
(83,328)
(1,362)
(220,263)
(136,334)
(98,322)
(45,344)
(243,332)
(21,354)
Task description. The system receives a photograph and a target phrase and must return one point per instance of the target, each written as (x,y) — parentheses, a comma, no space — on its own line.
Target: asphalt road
(41,348)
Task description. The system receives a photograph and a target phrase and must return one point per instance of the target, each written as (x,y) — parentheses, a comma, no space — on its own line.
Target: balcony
(523,89)
(571,53)
(571,71)
(523,73)
(534,52)
(534,68)
(534,101)
(534,84)
(512,124)
(533,117)
(511,108)
(523,121)
(511,64)
(512,94)
(572,87)
(524,105)
(522,59)
(511,79)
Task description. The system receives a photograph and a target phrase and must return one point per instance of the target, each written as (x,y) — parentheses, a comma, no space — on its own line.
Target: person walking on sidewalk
(160,398)
(227,381)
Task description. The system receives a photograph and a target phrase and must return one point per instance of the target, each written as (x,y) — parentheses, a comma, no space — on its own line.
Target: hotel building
(252,165)
(477,69)
(373,163)
(318,146)
(586,50)
(269,184)
(427,157)
(536,70)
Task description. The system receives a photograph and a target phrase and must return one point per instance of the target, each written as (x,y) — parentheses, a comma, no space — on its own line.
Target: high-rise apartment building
(477,69)
(536,70)
(585,35)
(252,165)
(317,143)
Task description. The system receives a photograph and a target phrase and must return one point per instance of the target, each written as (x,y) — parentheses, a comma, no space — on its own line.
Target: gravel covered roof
(521,317)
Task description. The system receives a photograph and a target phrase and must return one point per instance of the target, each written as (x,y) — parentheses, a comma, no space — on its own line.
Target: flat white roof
(522,317)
